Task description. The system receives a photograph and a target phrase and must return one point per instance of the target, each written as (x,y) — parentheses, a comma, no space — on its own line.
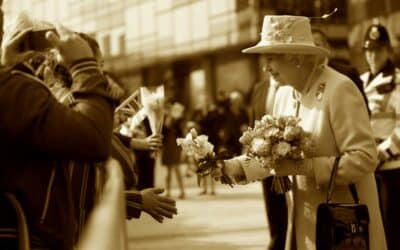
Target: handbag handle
(332,179)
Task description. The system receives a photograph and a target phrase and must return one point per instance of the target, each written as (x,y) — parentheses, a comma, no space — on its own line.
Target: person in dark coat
(262,99)
(37,131)
(171,152)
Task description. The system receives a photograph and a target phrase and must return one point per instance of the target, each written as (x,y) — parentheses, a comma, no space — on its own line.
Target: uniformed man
(381,85)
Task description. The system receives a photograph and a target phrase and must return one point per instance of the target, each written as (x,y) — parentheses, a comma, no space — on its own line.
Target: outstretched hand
(158,206)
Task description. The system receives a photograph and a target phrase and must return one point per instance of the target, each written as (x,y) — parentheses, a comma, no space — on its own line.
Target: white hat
(286,35)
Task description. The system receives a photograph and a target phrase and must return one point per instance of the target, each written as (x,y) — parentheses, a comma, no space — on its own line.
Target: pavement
(233,219)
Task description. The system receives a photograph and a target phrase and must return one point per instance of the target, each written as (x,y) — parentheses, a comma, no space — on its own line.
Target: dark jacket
(36,132)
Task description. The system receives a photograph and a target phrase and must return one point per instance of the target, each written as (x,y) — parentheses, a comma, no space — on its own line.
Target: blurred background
(195,44)
(193,47)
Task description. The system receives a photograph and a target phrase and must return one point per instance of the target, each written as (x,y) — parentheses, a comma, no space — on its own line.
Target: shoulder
(337,82)
(339,90)
(20,87)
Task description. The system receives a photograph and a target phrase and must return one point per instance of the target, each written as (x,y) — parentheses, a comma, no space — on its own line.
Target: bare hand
(152,142)
(158,206)
(11,53)
(70,45)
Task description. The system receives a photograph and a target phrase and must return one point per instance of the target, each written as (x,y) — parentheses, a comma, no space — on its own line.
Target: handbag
(342,225)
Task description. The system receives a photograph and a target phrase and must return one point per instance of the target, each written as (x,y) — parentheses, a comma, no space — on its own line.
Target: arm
(38,120)
(150,201)
(353,138)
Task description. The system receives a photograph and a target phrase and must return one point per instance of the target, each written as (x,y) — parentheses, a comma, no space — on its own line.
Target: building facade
(192,46)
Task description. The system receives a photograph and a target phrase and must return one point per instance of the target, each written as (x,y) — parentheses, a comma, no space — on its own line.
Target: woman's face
(280,68)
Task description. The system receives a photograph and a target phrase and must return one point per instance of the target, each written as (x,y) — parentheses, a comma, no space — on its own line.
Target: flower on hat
(281,30)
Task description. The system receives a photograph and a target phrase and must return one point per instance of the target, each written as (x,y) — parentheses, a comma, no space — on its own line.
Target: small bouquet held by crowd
(202,151)
(152,100)
(277,138)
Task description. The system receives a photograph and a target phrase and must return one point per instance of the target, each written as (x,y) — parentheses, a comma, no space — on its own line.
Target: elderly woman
(333,111)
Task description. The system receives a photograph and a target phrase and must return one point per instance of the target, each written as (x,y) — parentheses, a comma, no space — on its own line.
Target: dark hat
(376,36)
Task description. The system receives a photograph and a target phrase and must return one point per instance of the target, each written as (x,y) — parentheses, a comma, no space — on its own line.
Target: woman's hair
(302,59)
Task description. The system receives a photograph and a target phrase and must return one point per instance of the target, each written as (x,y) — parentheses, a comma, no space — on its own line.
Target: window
(121,44)
(200,25)
(106,45)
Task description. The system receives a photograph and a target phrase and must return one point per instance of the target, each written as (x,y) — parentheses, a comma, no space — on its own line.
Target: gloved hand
(229,172)
(70,45)
(157,206)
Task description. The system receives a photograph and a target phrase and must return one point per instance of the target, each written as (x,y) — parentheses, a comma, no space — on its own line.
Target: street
(233,219)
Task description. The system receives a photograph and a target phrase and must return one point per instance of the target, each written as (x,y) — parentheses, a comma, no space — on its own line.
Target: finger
(26,55)
(53,38)
(158,190)
(166,200)
(169,208)
(157,217)
(227,180)
(164,212)
(155,140)
(19,37)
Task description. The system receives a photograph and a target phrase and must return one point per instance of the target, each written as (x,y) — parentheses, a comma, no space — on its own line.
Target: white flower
(260,147)
(291,133)
(281,149)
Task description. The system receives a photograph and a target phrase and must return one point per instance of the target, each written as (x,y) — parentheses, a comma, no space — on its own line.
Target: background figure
(171,152)
(340,64)
(236,122)
(381,84)
(187,160)
(262,100)
(144,144)
(210,122)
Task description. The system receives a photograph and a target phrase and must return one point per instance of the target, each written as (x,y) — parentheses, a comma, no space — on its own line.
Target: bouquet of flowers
(201,150)
(276,138)
(153,103)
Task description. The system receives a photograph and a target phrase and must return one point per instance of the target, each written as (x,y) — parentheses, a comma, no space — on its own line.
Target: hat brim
(286,49)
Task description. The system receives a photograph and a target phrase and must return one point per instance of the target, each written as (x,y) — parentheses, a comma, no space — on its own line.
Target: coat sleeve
(353,135)
(32,117)
(133,204)
(392,143)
